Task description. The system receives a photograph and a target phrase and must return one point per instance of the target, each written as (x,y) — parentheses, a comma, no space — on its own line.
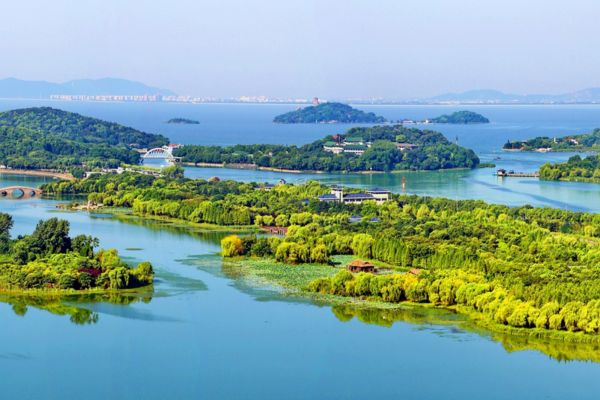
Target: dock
(512,174)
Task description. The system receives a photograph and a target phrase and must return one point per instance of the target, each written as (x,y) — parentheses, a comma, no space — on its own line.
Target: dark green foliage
(433,152)
(49,138)
(328,113)
(461,117)
(6,224)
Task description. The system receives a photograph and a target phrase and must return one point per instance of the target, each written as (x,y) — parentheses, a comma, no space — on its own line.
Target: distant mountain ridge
(483,96)
(18,88)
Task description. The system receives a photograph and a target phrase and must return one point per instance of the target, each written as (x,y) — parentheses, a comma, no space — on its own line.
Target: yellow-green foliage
(466,290)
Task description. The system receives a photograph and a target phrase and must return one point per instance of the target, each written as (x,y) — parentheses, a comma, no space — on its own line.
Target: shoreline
(38,172)
(296,171)
(551,151)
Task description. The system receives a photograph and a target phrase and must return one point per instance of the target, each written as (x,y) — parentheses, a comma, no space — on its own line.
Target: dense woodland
(575,169)
(461,117)
(44,137)
(328,113)
(523,267)
(50,259)
(585,142)
(433,152)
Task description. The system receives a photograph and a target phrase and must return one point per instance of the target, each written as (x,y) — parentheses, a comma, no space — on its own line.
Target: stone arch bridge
(20,192)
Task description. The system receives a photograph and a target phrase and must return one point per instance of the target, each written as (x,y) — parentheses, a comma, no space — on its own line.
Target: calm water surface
(205,334)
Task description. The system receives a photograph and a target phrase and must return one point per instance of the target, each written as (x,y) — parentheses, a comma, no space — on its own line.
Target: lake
(204,333)
(227,124)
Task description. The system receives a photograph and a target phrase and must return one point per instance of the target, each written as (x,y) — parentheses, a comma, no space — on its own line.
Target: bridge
(20,192)
(161,153)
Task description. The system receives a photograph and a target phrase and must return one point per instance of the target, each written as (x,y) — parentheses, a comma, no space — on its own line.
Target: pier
(512,174)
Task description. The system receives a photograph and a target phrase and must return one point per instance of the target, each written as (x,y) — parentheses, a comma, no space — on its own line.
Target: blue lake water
(204,333)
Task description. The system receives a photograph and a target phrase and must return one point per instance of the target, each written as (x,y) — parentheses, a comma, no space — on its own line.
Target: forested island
(583,142)
(524,270)
(576,169)
(49,259)
(378,148)
(328,113)
(184,121)
(461,117)
(43,137)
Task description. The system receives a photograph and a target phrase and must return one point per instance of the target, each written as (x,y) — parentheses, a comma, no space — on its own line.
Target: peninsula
(460,118)
(522,270)
(543,144)
(329,113)
(381,148)
(48,138)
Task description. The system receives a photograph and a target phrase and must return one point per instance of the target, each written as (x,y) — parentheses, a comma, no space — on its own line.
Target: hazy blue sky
(327,48)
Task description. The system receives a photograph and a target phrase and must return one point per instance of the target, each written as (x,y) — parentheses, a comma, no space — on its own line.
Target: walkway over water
(20,192)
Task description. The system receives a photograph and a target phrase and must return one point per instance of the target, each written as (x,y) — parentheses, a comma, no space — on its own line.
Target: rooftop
(378,190)
(328,197)
(360,263)
(358,196)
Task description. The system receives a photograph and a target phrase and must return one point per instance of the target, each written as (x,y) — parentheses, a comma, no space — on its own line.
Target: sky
(394,49)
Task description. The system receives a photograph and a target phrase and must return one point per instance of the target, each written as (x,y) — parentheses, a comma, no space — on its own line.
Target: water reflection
(450,324)
(436,321)
(78,307)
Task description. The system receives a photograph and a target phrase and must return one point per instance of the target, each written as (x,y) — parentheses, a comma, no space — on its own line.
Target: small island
(183,121)
(544,144)
(461,117)
(50,260)
(329,113)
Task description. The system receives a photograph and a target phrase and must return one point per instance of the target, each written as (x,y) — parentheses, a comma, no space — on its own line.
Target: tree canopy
(328,113)
(429,151)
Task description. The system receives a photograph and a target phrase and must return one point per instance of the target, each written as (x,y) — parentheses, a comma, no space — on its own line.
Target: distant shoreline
(365,103)
(295,171)
(37,172)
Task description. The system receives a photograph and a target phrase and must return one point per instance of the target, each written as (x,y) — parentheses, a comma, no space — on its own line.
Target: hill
(49,138)
(378,148)
(490,96)
(17,88)
(461,117)
(328,113)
